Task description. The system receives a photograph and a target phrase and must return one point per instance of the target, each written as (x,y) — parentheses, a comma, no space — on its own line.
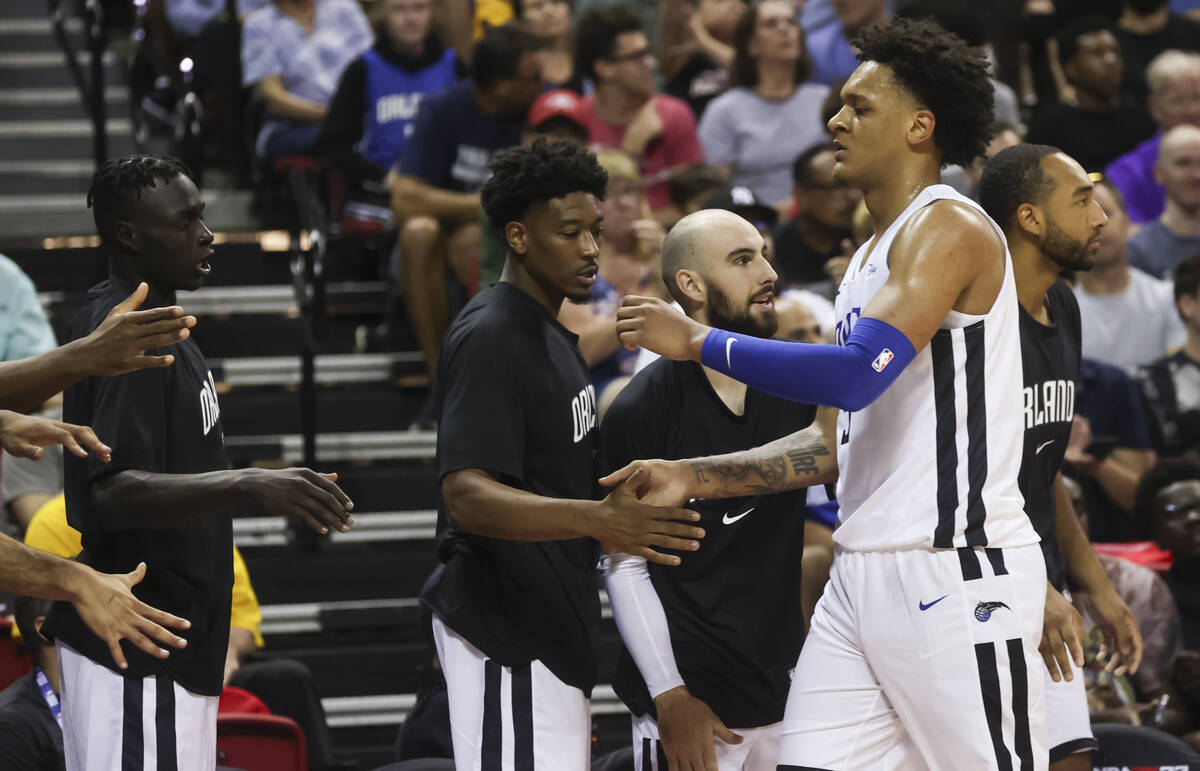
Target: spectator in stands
(630,262)
(1128,317)
(1168,508)
(692,185)
(820,231)
(832,55)
(1103,123)
(445,160)
(30,737)
(285,686)
(1173,78)
(624,112)
(293,53)
(549,21)
(696,41)
(1161,244)
(1145,29)
(1171,385)
(372,112)
(27,484)
(756,129)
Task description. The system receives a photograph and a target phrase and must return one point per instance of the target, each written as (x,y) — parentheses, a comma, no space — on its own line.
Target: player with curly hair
(515,602)
(923,650)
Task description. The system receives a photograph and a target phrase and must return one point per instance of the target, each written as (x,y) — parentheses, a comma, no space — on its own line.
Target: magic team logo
(983,611)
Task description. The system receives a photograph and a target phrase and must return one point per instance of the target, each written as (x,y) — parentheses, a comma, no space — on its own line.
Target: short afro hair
(943,74)
(1014,177)
(119,183)
(1165,473)
(525,177)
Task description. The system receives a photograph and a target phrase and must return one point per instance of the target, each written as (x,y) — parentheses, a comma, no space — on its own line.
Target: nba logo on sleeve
(882,360)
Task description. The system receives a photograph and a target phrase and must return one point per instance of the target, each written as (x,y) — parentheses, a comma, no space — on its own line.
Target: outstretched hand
(301,493)
(24,436)
(106,604)
(120,343)
(624,524)
(660,482)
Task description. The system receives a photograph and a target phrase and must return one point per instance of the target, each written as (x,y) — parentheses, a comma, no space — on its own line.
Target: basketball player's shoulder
(947,228)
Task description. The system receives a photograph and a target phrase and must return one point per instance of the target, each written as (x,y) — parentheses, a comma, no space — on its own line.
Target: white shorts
(1068,725)
(116,723)
(922,659)
(759,750)
(511,718)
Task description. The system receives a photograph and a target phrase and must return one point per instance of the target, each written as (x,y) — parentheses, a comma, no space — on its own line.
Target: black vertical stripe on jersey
(977,460)
(1020,700)
(996,557)
(941,349)
(522,712)
(647,754)
(132,750)
(989,683)
(164,724)
(492,746)
(968,561)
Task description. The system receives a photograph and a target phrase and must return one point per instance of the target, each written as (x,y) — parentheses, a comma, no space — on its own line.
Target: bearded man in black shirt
(515,602)
(165,498)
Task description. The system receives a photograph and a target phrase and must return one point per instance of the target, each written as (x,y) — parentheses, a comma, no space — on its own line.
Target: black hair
(498,54)
(1014,177)
(744,70)
(694,180)
(944,75)
(119,183)
(1068,36)
(1187,276)
(954,16)
(25,610)
(1165,473)
(527,176)
(597,32)
(802,167)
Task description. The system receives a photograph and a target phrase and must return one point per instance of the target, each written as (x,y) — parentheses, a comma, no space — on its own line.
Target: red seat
(260,742)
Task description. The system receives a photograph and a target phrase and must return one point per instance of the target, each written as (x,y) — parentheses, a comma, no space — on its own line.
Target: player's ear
(691,285)
(921,130)
(516,235)
(125,234)
(1029,218)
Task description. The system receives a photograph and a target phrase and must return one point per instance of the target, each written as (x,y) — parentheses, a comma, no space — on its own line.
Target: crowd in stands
(695,104)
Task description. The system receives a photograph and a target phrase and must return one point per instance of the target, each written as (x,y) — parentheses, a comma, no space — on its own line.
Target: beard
(1065,251)
(721,314)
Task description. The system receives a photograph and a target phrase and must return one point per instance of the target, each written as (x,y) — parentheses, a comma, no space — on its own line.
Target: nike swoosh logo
(730,520)
(928,605)
(728,345)
(1042,446)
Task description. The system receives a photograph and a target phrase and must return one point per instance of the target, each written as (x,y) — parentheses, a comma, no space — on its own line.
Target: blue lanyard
(49,695)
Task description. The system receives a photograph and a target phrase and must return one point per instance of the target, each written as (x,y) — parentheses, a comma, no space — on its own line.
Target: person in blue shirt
(372,111)
(24,329)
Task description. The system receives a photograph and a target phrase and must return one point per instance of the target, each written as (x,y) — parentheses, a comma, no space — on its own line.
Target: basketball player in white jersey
(923,650)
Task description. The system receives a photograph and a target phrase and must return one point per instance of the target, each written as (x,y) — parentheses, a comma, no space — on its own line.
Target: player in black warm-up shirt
(1043,200)
(515,602)
(732,629)
(165,498)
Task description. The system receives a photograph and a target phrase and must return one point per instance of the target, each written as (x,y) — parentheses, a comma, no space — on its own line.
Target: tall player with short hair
(923,649)
(1042,198)
(516,600)
(165,498)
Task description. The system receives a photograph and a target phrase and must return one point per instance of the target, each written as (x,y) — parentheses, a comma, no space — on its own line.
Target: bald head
(1178,169)
(702,237)
(1183,138)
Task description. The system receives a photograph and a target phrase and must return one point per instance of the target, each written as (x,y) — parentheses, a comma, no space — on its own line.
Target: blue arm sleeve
(848,377)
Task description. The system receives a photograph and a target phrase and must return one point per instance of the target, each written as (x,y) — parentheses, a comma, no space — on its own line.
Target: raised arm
(946,257)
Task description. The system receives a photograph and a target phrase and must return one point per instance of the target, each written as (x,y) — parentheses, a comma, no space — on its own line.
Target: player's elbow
(460,501)
(111,498)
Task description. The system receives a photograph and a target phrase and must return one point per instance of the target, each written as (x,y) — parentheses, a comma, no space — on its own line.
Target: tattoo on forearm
(701,477)
(804,459)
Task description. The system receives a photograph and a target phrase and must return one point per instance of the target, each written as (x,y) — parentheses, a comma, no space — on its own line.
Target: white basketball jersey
(933,462)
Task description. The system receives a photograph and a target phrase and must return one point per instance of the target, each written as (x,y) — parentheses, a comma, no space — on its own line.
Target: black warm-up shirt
(166,421)
(515,401)
(30,739)
(733,607)
(1050,357)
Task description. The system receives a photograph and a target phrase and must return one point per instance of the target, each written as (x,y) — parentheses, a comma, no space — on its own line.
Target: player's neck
(1034,273)
(889,200)
(130,276)
(514,273)
(1180,221)
(732,393)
